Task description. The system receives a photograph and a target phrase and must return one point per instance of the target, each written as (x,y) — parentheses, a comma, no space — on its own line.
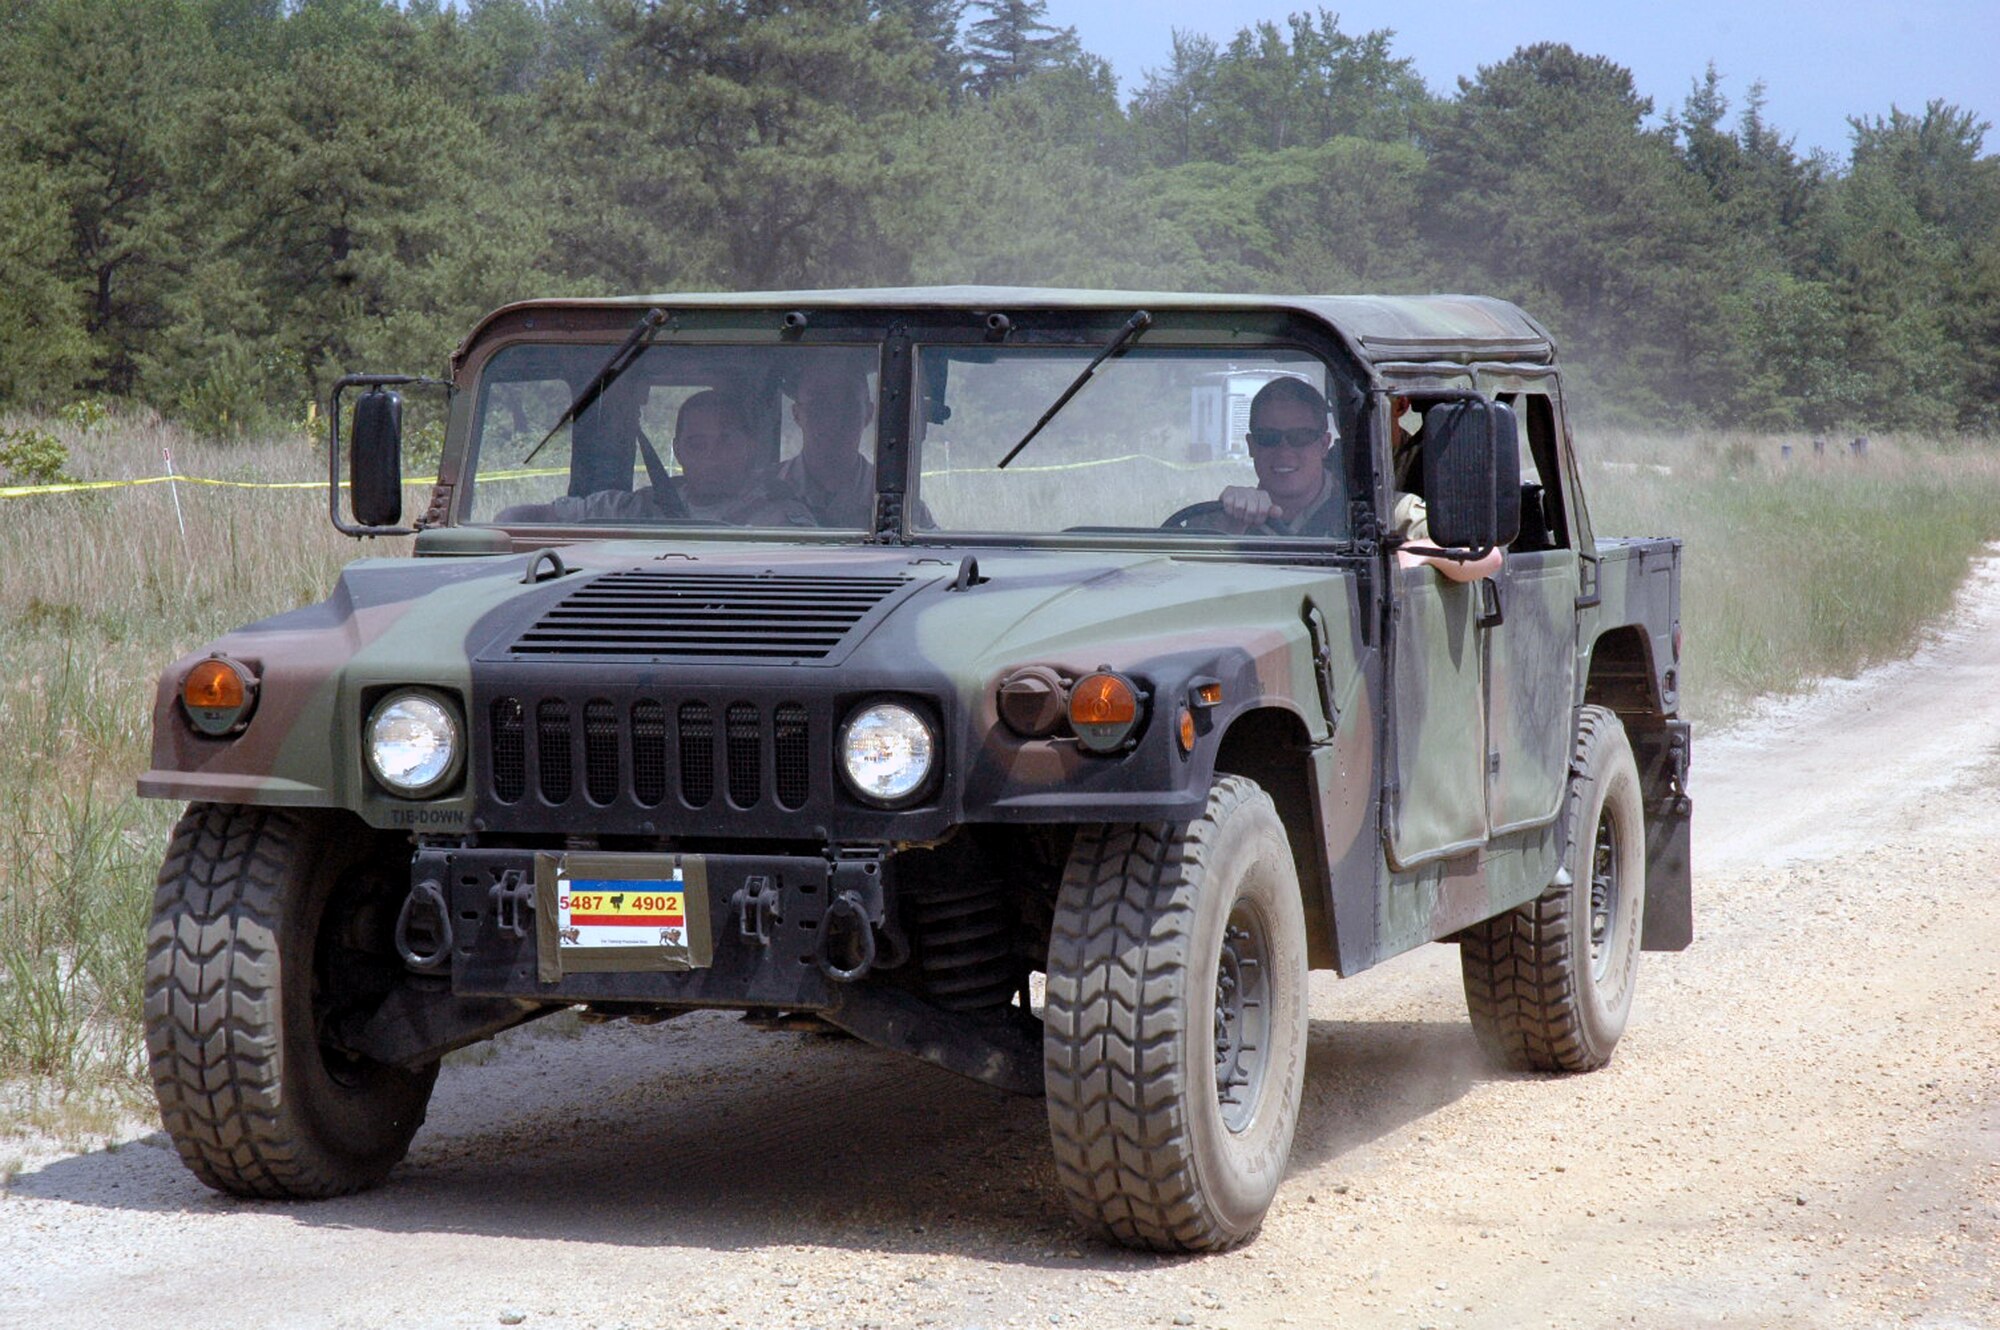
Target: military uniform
(850,504)
(1410,519)
(766,501)
(1318,518)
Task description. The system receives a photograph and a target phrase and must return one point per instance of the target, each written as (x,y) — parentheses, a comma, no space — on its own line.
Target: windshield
(749,436)
(1156,441)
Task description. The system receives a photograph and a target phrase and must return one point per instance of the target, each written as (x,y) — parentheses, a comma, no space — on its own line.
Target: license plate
(621,912)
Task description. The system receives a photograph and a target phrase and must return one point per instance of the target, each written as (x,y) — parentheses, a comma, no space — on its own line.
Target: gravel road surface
(1800,1129)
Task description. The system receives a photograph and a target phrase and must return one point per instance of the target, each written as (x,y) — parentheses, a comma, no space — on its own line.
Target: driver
(1291,438)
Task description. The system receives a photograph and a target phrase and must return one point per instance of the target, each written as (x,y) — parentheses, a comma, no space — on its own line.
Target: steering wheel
(1182,518)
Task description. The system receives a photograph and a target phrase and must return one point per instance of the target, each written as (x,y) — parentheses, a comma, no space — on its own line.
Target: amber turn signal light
(1187,730)
(1103,710)
(1102,699)
(217,695)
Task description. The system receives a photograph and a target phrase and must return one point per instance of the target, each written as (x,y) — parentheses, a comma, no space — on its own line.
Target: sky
(1820,62)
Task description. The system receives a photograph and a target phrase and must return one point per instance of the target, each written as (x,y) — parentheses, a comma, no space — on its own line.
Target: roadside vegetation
(216,207)
(1795,568)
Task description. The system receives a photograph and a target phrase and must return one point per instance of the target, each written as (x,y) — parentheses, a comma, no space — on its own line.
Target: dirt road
(1801,1128)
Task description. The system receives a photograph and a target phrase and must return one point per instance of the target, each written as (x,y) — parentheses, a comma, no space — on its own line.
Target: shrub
(32,456)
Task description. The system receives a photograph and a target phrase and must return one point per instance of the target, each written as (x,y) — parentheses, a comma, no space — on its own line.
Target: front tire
(264,923)
(1549,984)
(1175,1027)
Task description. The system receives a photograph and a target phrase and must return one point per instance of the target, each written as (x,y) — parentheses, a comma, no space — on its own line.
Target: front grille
(554,763)
(644,615)
(745,754)
(600,751)
(794,768)
(640,753)
(510,750)
(697,754)
(649,752)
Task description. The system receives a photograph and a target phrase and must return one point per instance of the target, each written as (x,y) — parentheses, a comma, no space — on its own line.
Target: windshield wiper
(620,361)
(1138,323)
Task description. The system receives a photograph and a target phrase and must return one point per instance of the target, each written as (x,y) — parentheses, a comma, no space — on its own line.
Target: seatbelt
(666,496)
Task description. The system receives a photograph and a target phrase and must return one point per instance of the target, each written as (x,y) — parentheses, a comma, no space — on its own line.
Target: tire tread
(1521,969)
(1118,959)
(213,994)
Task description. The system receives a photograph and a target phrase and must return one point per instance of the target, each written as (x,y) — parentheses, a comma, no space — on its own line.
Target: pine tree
(1013,43)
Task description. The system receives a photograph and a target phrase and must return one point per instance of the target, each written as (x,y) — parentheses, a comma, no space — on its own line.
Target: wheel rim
(1242,1017)
(1605,891)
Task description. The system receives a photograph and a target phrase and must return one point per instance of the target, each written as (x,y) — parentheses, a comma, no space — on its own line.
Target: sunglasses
(1301,436)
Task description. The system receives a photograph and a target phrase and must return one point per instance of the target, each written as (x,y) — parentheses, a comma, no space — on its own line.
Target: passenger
(721,479)
(1410,517)
(831,476)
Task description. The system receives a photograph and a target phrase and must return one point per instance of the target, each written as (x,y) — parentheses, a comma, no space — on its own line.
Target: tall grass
(98,592)
(1793,569)
(1802,567)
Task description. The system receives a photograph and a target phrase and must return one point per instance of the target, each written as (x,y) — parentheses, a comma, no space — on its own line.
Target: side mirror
(375,459)
(1472,474)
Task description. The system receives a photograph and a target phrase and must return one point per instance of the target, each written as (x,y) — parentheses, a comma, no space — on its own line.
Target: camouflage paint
(1458,694)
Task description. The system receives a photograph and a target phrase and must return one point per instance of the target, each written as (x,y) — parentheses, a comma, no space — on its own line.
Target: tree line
(218,206)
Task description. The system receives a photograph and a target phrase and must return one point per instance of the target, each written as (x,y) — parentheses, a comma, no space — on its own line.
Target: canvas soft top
(1380,328)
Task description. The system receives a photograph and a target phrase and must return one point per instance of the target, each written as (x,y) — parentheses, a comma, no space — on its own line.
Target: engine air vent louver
(644,615)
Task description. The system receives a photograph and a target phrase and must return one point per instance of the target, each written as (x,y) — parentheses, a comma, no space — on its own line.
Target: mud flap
(1663,766)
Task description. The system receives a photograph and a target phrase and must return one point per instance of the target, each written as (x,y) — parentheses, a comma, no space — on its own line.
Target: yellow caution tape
(78,486)
(82,486)
(1082,466)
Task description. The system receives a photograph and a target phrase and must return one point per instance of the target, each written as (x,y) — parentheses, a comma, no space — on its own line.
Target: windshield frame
(599,327)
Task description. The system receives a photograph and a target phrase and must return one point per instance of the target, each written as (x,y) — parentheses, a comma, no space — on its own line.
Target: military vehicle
(935,666)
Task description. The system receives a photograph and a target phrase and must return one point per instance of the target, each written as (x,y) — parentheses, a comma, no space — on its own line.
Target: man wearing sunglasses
(1290,439)
(1297,493)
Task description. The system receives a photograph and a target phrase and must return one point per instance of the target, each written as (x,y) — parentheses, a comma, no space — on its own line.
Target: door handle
(1491,614)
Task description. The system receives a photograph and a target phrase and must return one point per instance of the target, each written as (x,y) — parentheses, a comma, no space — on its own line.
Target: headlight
(885,751)
(412,744)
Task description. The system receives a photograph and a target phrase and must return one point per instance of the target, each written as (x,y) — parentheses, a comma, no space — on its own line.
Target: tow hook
(423,928)
(856,908)
(846,914)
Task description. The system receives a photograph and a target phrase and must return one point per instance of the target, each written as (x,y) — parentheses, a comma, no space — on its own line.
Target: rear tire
(1549,984)
(252,908)
(1175,1027)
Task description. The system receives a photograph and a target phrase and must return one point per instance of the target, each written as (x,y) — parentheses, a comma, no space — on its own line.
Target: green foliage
(1758,528)
(215,206)
(1012,44)
(44,349)
(32,456)
(1272,89)
(85,414)
(423,448)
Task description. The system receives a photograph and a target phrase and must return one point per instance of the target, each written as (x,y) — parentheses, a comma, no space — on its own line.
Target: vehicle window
(685,435)
(1151,442)
(1543,523)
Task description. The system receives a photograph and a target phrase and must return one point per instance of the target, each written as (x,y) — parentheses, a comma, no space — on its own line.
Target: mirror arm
(340,523)
(1473,555)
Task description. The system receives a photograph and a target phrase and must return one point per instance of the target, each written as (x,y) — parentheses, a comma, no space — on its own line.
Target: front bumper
(769,941)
